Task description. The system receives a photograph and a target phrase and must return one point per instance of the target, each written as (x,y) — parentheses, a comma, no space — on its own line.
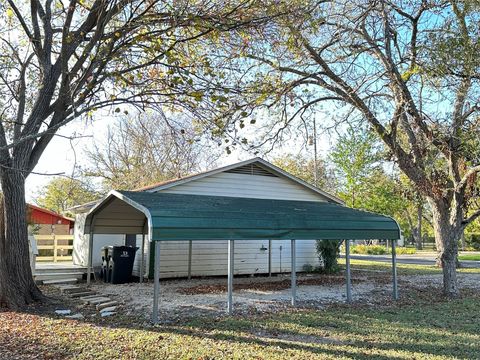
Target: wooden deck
(55,271)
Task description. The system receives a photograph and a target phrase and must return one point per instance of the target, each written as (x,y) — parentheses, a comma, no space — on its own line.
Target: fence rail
(54,248)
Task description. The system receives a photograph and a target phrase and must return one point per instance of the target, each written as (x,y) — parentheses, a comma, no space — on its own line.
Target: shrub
(328,252)
(473,241)
(368,249)
(379,250)
(405,251)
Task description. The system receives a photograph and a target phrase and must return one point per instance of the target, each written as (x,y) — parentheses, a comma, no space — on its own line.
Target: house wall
(250,186)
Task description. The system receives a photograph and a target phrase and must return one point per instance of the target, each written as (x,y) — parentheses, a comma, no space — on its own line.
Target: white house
(255,178)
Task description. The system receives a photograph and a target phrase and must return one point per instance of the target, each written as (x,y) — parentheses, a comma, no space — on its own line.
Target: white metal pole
(394,270)
(347,262)
(294,273)
(156,282)
(142,257)
(230,277)
(270,258)
(90,250)
(190,246)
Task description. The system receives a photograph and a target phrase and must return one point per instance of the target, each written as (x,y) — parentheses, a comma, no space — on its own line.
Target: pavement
(417,259)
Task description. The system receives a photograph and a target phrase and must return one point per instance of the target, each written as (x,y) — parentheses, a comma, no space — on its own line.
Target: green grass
(423,325)
(474,257)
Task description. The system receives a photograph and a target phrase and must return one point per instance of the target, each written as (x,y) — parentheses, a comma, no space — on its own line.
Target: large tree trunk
(447,233)
(17,287)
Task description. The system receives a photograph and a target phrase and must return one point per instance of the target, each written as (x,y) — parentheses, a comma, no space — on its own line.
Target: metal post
(156,282)
(142,257)
(190,245)
(347,262)
(90,251)
(394,270)
(230,277)
(294,273)
(270,258)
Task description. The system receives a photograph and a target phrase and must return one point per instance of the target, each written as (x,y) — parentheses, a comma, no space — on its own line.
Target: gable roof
(269,167)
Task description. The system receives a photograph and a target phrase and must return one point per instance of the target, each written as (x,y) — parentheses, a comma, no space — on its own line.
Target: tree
(143,150)
(62,193)
(304,168)
(355,157)
(64,60)
(409,72)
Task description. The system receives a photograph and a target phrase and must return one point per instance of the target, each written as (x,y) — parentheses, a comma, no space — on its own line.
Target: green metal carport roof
(197,217)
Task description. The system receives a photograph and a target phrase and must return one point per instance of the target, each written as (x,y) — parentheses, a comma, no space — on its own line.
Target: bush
(472,241)
(328,252)
(379,250)
(368,249)
(405,251)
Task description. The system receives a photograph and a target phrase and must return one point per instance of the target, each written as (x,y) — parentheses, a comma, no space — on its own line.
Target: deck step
(60,281)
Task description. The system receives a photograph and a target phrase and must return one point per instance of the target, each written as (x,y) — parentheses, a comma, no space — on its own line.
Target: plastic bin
(120,264)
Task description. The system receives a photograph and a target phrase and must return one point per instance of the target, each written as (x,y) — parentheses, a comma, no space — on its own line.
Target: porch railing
(54,248)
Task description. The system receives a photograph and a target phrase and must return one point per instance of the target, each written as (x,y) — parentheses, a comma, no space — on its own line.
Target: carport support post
(349,279)
(270,258)
(230,276)
(294,272)
(156,282)
(142,257)
(190,246)
(90,251)
(394,270)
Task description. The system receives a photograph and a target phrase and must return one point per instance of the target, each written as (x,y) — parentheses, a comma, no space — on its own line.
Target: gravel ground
(251,294)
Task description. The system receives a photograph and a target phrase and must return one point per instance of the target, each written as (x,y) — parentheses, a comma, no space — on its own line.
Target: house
(251,179)
(46,222)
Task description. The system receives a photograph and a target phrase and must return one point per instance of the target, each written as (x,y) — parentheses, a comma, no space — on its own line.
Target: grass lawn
(474,257)
(423,325)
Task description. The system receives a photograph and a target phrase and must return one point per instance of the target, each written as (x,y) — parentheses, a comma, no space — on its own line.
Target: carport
(179,217)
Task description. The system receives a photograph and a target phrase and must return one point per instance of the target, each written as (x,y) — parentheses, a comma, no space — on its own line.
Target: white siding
(250,186)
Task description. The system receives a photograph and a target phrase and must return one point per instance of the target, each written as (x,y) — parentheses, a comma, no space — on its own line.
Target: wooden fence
(54,248)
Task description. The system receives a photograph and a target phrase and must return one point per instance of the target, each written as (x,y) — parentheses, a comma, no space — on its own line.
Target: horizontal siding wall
(250,186)
(209,258)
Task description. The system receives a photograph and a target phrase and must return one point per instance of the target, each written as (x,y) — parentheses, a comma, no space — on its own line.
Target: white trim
(118,195)
(272,168)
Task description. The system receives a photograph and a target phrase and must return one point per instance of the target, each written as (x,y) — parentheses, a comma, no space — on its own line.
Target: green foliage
(473,241)
(61,193)
(379,250)
(303,167)
(328,252)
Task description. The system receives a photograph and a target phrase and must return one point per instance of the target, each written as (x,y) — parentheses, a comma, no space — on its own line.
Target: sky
(64,156)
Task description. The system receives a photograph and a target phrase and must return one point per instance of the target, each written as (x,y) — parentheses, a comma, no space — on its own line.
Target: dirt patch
(268,286)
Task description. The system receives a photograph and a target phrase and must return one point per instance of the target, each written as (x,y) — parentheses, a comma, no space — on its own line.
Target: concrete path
(419,259)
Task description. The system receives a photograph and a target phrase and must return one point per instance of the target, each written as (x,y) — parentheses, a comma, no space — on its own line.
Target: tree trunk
(417,231)
(447,232)
(17,287)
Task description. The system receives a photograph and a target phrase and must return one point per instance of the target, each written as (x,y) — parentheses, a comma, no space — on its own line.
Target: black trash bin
(120,263)
(104,271)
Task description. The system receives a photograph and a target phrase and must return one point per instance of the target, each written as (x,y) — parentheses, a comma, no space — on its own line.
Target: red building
(48,222)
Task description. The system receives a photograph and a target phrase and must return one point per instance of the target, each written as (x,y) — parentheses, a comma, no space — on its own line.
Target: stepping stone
(108,309)
(63,312)
(75,290)
(75,316)
(83,294)
(71,289)
(106,305)
(97,300)
(60,281)
(91,296)
(107,313)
